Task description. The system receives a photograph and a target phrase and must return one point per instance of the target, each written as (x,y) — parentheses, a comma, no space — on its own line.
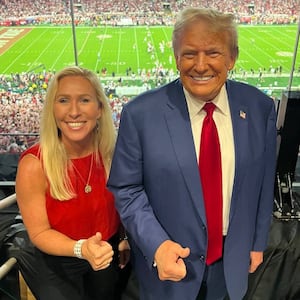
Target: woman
(61,190)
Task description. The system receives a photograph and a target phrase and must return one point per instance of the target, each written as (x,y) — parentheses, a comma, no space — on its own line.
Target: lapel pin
(242,114)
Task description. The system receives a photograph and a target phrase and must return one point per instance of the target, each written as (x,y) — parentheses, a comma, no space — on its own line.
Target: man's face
(203,59)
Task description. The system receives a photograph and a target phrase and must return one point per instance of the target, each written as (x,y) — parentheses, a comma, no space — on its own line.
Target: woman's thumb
(98,236)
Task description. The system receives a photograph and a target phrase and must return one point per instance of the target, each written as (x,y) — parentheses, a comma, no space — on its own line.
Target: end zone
(9,36)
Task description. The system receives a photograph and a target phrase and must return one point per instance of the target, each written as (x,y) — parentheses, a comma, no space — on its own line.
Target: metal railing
(9,264)
(8,201)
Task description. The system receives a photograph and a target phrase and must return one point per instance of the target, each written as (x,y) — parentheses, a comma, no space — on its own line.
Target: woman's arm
(31,187)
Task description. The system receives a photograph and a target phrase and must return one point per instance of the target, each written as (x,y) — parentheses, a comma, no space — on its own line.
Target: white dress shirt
(223,122)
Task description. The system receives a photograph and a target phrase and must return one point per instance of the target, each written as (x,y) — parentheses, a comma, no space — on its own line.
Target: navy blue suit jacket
(156,183)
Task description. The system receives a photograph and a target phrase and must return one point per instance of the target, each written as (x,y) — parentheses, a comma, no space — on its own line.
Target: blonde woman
(61,190)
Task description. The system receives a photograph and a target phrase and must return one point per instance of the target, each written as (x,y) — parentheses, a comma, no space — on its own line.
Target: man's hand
(169,261)
(124,253)
(256,258)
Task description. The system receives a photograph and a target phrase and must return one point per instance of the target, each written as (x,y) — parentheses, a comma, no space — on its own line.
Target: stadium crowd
(21,95)
(133,12)
(21,101)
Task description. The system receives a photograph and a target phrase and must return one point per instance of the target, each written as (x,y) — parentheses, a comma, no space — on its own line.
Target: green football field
(118,48)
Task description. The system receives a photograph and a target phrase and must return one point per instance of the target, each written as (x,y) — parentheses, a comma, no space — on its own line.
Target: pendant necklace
(87,188)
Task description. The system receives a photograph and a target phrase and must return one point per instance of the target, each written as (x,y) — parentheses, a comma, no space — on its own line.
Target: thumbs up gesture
(97,252)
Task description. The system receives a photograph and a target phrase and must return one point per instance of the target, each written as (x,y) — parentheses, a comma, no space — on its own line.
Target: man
(160,190)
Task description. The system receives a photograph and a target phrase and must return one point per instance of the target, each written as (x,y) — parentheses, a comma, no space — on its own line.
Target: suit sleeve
(266,202)
(126,183)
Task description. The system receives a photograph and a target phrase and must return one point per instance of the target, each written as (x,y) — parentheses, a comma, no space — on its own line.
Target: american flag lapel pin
(242,114)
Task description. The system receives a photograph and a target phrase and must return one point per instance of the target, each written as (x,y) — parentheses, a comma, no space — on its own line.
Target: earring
(97,125)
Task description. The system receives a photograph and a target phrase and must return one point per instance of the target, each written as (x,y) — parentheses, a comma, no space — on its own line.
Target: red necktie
(211,178)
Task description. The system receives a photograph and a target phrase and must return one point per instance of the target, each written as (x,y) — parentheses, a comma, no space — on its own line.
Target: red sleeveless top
(82,216)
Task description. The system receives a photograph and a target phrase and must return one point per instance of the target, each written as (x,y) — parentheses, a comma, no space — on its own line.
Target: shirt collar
(195,105)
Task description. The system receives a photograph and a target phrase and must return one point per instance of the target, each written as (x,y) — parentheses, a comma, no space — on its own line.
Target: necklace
(87,188)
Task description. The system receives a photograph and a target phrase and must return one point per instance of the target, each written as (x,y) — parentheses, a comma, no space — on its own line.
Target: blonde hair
(218,22)
(53,154)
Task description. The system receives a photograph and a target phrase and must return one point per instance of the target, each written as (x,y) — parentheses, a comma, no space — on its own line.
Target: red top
(83,216)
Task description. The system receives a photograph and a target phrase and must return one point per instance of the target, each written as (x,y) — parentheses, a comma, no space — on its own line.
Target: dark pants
(213,285)
(64,278)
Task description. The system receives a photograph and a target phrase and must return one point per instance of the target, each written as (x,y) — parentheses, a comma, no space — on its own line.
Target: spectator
(61,192)
(185,244)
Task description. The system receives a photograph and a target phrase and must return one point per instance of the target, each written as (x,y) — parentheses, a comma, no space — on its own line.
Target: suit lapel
(178,123)
(240,124)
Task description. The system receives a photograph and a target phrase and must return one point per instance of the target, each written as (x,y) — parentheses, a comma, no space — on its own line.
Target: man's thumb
(185,252)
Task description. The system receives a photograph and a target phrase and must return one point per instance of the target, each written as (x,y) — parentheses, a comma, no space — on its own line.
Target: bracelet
(124,238)
(77,248)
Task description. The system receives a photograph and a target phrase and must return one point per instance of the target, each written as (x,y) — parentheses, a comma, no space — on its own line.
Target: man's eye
(214,54)
(85,100)
(189,55)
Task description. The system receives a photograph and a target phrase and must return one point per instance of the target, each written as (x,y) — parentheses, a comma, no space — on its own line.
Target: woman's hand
(97,252)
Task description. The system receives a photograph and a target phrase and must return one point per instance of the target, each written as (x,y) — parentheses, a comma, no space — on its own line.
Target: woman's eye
(62,100)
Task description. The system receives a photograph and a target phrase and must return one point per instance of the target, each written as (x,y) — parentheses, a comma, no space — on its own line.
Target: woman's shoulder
(33,150)
(30,169)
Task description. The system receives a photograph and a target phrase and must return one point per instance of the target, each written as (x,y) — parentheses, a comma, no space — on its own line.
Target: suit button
(202,257)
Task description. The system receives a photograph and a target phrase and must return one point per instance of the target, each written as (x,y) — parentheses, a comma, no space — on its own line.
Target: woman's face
(76,110)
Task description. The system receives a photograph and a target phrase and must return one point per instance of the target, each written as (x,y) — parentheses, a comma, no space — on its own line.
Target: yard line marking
(99,54)
(119,50)
(62,52)
(27,49)
(45,50)
(85,41)
(136,49)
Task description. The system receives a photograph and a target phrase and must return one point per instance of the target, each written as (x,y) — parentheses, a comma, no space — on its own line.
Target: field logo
(104,36)
(9,36)
(284,53)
